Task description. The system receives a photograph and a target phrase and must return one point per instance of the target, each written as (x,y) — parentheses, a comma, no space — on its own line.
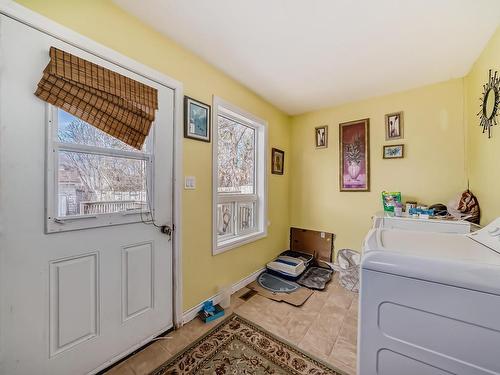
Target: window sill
(237,242)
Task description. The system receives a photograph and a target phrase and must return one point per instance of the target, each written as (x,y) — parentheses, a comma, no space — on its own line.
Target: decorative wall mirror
(490,100)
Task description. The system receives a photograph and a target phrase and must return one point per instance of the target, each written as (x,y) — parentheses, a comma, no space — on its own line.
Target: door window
(97,179)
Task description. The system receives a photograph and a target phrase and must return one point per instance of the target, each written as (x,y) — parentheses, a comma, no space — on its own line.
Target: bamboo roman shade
(113,103)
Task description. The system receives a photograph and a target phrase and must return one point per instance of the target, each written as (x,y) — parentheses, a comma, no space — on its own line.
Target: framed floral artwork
(354,155)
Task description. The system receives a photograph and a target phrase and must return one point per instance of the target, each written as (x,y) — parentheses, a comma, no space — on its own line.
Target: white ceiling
(303,55)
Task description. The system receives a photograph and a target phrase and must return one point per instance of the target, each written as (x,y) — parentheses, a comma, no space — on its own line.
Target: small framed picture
(321,136)
(196,120)
(277,161)
(394,126)
(394,151)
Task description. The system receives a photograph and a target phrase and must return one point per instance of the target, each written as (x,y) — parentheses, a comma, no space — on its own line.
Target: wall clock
(490,99)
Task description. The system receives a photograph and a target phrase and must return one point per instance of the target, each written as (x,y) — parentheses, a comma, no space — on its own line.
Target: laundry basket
(348,267)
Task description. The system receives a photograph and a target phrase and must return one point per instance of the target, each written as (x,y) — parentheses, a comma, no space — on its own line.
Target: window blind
(119,106)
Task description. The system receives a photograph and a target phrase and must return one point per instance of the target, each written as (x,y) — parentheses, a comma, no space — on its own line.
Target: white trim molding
(41,23)
(259,196)
(217,298)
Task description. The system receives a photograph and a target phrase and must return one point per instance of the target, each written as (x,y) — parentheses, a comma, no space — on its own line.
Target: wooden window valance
(113,103)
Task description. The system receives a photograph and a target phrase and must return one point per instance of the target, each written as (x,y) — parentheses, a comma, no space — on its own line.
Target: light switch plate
(189,182)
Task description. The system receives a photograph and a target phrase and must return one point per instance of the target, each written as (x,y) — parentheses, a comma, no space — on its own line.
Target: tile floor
(325,326)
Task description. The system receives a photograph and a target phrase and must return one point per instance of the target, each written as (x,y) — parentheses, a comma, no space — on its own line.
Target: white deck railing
(107,207)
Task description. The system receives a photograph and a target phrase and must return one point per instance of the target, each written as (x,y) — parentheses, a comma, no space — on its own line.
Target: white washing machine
(430,303)
(407,222)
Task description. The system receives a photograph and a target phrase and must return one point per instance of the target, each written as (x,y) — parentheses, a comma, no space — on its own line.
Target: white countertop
(406,216)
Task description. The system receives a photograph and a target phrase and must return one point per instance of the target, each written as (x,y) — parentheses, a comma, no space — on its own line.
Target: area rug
(237,346)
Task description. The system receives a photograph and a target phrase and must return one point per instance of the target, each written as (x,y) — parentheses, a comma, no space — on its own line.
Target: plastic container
(225,293)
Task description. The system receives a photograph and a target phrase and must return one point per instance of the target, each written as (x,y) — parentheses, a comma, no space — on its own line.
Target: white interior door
(73,301)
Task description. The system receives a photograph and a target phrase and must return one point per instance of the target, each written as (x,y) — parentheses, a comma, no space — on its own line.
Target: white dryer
(430,303)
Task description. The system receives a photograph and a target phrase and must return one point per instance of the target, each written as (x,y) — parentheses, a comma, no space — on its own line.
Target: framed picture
(354,150)
(394,151)
(394,126)
(278,161)
(321,136)
(196,120)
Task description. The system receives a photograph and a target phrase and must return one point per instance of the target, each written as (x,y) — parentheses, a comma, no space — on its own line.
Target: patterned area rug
(237,346)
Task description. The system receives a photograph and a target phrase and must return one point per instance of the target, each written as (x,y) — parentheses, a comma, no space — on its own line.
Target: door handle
(166,229)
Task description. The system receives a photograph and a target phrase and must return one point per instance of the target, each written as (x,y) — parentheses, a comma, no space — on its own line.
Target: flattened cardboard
(318,244)
(297,298)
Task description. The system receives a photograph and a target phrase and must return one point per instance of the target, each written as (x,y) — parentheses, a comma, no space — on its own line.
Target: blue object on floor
(209,312)
(208,306)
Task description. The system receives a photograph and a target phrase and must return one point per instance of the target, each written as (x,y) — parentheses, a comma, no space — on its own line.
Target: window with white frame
(93,178)
(239,165)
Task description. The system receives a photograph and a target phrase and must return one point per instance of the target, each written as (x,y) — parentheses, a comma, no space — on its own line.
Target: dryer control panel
(489,235)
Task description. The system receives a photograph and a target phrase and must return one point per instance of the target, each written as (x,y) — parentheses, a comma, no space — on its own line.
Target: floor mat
(315,278)
(276,284)
(237,346)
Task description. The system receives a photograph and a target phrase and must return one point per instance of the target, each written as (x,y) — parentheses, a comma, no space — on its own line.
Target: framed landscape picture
(196,120)
(278,161)
(354,155)
(394,151)
(394,126)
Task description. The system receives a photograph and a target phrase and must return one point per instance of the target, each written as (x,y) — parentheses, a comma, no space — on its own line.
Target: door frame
(45,25)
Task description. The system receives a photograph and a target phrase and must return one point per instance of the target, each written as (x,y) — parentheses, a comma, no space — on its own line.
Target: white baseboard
(193,311)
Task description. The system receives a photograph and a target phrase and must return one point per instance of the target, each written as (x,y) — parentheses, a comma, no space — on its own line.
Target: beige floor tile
(350,370)
(254,308)
(344,351)
(316,349)
(317,343)
(340,297)
(316,301)
(325,326)
(297,325)
(175,342)
(121,369)
(349,332)
(236,301)
(148,359)
(328,323)
(355,304)
(197,328)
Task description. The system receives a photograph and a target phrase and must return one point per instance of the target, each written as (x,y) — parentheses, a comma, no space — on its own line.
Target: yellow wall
(107,24)
(483,153)
(438,141)
(433,169)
